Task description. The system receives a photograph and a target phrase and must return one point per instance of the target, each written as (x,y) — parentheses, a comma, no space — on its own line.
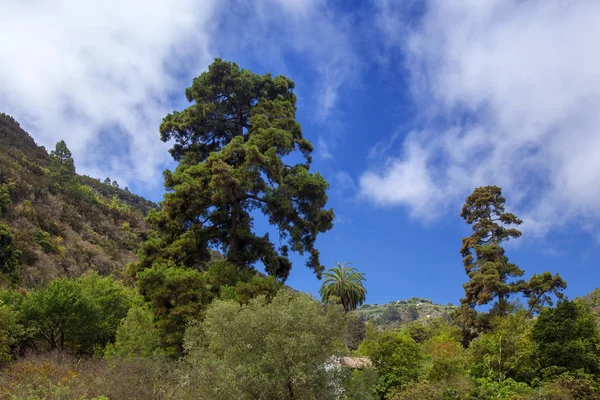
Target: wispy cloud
(511,91)
(101,75)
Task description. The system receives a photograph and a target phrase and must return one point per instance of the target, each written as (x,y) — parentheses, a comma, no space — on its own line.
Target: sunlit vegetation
(104,295)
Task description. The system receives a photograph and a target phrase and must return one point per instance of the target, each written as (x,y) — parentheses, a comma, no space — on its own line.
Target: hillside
(402,312)
(61,222)
(593,300)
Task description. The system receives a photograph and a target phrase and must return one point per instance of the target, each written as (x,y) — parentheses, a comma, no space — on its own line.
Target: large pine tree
(492,277)
(235,145)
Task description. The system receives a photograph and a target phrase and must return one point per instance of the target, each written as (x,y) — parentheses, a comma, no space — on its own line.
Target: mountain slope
(63,223)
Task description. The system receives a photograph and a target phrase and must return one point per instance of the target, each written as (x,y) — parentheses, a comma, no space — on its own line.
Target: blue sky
(410,104)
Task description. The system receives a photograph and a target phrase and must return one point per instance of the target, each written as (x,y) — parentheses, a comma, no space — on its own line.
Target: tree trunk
(233,255)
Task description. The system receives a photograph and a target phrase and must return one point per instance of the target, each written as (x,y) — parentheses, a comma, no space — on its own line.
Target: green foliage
(567,338)
(361,385)
(356,331)
(507,351)
(446,358)
(230,144)
(44,239)
(345,284)
(9,255)
(136,336)
(492,278)
(4,199)
(505,390)
(177,295)
(397,357)
(62,159)
(11,331)
(275,350)
(82,314)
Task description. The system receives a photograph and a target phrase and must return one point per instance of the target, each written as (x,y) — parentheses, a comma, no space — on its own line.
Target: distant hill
(593,299)
(402,312)
(64,224)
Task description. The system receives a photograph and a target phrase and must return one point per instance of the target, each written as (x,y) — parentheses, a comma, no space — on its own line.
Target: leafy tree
(567,338)
(77,313)
(9,255)
(397,357)
(107,181)
(492,278)
(346,284)
(264,350)
(231,143)
(62,159)
(115,184)
(177,296)
(10,331)
(136,335)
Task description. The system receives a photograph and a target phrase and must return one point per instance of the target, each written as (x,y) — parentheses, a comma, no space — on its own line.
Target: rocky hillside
(402,312)
(60,222)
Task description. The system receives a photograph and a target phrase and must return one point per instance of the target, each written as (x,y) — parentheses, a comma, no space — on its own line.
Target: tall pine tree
(235,145)
(492,278)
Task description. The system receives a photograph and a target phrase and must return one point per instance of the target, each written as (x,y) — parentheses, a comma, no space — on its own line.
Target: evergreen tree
(233,145)
(62,159)
(492,278)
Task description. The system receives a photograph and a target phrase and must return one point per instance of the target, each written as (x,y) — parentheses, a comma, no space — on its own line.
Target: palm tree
(345,283)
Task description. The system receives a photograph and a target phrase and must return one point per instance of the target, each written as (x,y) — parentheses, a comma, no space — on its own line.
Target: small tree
(9,256)
(136,335)
(345,284)
(62,159)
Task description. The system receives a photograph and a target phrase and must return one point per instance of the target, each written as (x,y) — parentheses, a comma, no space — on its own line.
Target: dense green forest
(105,295)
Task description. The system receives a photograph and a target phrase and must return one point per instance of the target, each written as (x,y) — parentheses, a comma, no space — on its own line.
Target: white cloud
(516,86)
(323,149)
(311,29)
(91,72)
(101,75)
